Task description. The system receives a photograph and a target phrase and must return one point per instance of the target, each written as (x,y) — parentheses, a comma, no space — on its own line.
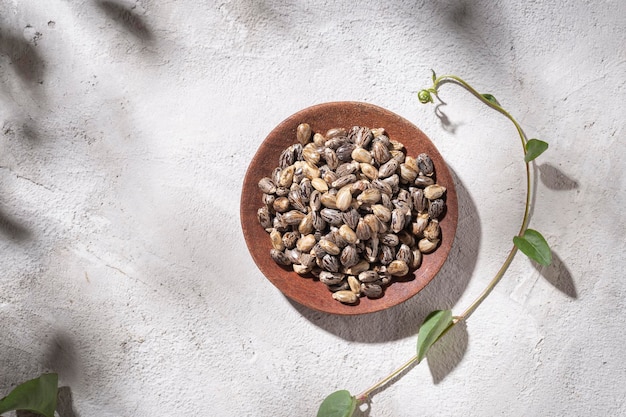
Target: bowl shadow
(442,292)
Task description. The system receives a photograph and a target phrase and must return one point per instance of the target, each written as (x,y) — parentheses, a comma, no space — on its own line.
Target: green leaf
(533,245)
(435,324)
(338,404)
(490,98)
(38,395)
(534,148)
(434,75)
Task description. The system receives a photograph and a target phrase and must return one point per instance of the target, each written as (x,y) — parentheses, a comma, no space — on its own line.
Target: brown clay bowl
(310,292)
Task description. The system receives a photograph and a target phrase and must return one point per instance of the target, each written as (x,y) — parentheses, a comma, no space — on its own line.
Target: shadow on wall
(127,17)
(23,57)
(443,292)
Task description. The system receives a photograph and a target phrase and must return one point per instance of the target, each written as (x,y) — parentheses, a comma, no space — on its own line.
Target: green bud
(424,97)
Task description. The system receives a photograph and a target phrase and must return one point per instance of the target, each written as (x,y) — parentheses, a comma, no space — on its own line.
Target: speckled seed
(351,218)
(306,243)
(293,217)
(331,158)
(336,132)
(382,186)
(290,239)
(427,246)
(329,247)
(303,133)
(398,220)
(417,258)
(277,240)
(397,155)
(347,168)
(425,164)
(344,152)
(369,196)
(372,247)
(310,171)
(354,284)
(362,155)
(267,185)
(433,192)
(370,171)
(319,140)
(342,181)
(423,181)
(307,260)
(330,263)
(286,176)
(404,254)
(346,297)
(411,163)
(281,204)
(279,257)
(382,212)
(380,152)
(388,168)
(331,278)
(297,200)
(263,214)
(329,200)
(344,198)
(419,225)
(306,225)
(406,238)
(432,231)
(348,234)
(363,231)
(371,290)
(373,223)
(407,174)
(387,254)
(390,239)
(319,184)
(368,276)
(398,268)
(311,154)
(319,223)
(361,266)
(420,203)
(435,208)
(349,256)
(332,216)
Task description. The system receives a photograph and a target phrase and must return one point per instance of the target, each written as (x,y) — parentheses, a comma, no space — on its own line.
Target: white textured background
(126,131)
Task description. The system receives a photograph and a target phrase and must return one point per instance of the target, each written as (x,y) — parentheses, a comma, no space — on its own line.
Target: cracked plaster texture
(127,128)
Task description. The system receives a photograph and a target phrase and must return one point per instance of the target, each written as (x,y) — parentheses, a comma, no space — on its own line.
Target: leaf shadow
(443,292)
(559,275)
(126,16)
(555,179)
(61,356)
(448,352)
(13,230)
(23,57)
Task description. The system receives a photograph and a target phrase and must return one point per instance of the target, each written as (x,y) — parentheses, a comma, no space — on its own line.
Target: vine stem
(365,394)
(507,262)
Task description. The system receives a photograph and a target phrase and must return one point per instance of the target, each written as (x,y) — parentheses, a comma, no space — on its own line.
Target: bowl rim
(302,290)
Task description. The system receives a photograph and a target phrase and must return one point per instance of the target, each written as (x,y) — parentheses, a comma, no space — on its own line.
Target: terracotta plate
(310,292)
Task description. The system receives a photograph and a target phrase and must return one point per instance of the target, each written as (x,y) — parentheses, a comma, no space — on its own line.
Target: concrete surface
(126,131)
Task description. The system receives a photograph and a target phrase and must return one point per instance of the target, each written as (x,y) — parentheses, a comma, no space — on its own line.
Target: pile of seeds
(352,209)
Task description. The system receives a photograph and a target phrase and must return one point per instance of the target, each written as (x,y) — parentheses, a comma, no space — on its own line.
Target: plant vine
(529,241)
